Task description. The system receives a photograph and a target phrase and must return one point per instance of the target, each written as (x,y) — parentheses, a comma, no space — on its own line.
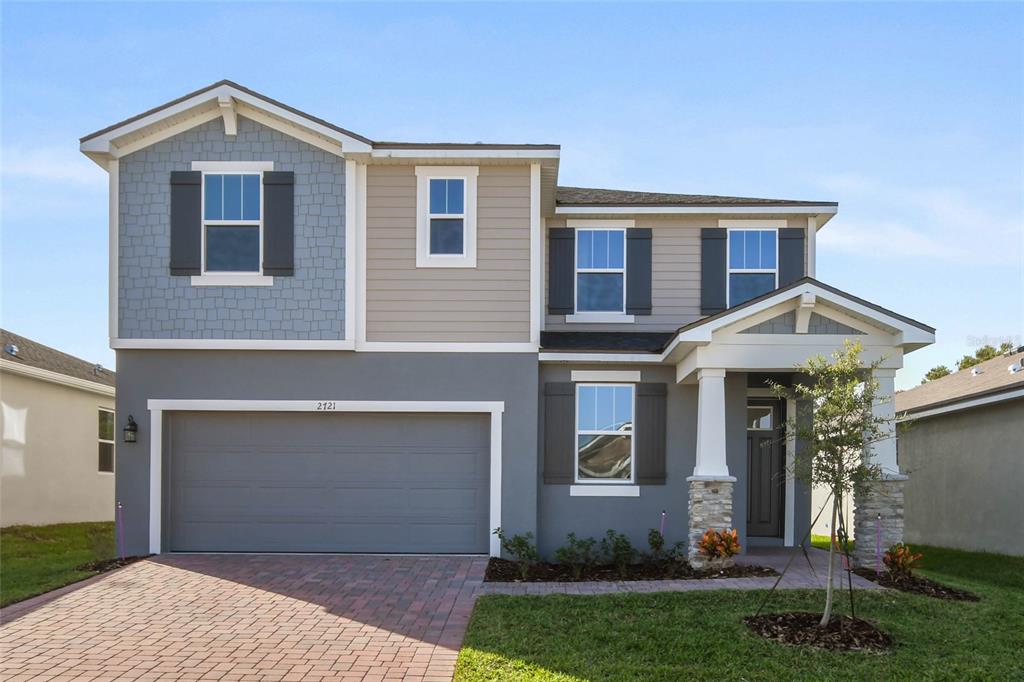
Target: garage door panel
(335,482)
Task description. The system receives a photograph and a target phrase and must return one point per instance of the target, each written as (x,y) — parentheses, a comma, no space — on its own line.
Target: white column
(711,463)
(883,452)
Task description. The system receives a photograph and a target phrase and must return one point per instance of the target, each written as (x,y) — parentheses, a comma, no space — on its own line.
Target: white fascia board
(55,378)
(482,153)
(105,143)
(662,210)
(962,405)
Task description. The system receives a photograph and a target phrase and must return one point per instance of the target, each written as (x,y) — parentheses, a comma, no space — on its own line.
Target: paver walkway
(283,617)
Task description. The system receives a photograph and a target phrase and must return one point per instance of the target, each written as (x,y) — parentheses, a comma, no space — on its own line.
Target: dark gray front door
(765,468)
(327,482)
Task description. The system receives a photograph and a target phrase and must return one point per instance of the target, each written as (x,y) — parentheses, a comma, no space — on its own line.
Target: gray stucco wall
(559,514)
(306,375)
(965,471)
(153,304)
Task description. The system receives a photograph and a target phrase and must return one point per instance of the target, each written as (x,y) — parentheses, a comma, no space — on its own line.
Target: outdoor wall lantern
(131,430)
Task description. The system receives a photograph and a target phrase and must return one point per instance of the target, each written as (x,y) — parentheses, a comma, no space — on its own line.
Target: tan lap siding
(675,265)
(488,303)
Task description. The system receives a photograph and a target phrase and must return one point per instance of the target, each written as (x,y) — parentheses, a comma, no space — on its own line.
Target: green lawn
(37,559)
(695,636)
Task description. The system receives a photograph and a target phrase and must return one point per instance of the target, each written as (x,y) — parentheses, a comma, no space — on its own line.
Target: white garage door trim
(157,407)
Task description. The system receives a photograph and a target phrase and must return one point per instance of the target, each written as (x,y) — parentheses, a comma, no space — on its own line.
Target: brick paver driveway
(250,617)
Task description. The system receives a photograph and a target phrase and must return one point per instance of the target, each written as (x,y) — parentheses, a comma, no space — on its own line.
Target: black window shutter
(713,270)
(561,269)
(559,432)
(791,255)
(279,223)
(638,271)
(186,222)
(650,436)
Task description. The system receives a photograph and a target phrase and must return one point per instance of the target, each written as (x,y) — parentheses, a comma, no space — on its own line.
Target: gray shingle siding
(155,305)
(786,324)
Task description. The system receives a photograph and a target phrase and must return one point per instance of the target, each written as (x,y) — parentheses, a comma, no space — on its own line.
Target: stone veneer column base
(877,519)
(710,506)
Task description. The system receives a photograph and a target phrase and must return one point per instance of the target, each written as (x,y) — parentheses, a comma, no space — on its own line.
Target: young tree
(841,391)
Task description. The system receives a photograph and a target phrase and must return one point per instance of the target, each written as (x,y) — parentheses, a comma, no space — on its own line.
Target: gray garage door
(327,482)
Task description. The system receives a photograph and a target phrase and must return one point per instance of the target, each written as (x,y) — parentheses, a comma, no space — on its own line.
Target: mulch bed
(843,633)
(916,584)
(110,564)
(505,571)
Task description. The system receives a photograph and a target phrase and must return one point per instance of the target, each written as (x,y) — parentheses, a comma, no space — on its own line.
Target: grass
(700,635)
(37,559)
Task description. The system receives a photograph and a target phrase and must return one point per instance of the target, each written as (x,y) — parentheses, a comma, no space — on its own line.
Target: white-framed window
(446,216)
(105,441)
(605,451)
(600,270)
(232,233)
(753,264)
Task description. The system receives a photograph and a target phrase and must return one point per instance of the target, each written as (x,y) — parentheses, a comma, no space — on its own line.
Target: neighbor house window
(753,264)
(604,433)
(601,271)
(446,216)
(105,436)
(232,223)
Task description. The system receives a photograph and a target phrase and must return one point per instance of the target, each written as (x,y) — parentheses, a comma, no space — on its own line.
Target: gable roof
(33,354)
(984,379)
(587,196)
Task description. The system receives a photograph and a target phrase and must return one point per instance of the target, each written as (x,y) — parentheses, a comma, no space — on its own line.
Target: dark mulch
(916,584)
(842,633)
(505,571)
(110,564)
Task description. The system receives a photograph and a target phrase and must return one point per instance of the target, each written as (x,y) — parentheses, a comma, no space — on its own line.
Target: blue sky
(911,116)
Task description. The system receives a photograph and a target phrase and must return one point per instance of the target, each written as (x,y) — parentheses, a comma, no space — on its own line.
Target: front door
(765,468)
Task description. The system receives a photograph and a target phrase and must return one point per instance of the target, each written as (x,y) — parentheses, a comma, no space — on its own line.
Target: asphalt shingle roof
(628,342)
(587,196)
(37,355)
(991,376)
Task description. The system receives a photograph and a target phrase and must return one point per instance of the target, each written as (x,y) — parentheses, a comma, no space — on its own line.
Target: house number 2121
(326,405)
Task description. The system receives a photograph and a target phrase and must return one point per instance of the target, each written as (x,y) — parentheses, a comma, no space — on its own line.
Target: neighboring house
(336,344)
(960,442)
(58,436)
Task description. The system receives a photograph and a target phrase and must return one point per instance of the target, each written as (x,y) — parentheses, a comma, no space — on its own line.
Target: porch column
(710,487)
(878,506)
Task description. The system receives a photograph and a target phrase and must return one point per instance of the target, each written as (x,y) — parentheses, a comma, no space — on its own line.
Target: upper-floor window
(753,264)
(105,438)
(601,270)
(604,433)
(446,216)
(232,223)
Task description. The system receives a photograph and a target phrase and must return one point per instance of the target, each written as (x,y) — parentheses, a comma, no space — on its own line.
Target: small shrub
(656,541)
(577,553)
(720,544)
(901,560)
(521,549)
(619,551)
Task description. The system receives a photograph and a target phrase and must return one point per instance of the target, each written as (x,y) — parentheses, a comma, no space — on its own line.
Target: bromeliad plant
(901,560)
(720,544)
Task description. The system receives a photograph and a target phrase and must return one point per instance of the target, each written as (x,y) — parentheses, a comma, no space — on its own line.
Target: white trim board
(55,377)
(230,344)
(157,407)
(598,490)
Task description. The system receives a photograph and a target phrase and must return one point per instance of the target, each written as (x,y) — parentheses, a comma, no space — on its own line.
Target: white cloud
(59,164)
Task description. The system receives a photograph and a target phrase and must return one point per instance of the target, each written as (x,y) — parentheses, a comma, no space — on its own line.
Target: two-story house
(335,344)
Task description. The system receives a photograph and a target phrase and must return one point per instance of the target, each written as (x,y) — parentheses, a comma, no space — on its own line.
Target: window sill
(232,281)
(453,261)
(604,490)
(602,318)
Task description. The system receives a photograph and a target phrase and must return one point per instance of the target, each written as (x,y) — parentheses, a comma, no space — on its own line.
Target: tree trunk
(827,616)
